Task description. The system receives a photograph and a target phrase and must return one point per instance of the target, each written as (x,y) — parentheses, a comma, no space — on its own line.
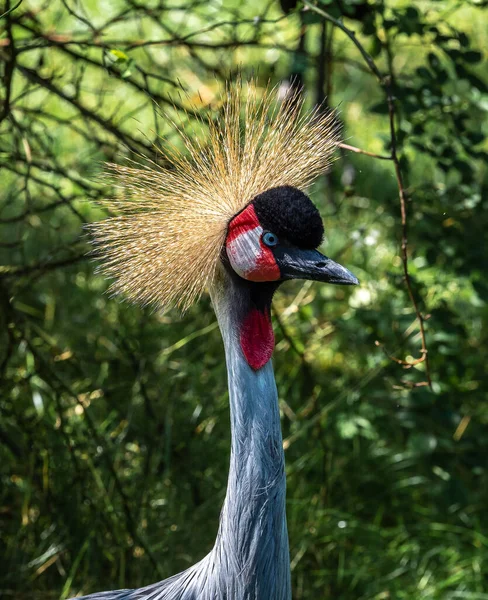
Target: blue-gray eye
(270,239)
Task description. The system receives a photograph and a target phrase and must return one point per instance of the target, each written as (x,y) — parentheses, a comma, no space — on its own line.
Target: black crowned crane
(230,216)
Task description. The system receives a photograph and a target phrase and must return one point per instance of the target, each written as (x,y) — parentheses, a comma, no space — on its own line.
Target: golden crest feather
(164,246)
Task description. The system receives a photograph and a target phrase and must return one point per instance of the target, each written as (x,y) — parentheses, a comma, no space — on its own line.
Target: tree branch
(386,84)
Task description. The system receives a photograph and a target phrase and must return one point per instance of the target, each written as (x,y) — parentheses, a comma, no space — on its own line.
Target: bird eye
(270,239)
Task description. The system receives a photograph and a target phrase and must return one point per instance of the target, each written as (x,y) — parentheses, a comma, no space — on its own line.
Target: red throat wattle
(257,338)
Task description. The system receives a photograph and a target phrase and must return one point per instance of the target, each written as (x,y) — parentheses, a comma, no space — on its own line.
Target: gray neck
(252,545)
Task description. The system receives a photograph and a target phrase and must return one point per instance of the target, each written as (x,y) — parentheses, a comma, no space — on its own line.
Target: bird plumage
(163,246)
(230,214)
(250,557)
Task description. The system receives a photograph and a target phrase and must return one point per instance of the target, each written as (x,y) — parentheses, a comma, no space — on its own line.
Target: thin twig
(350,34)
(9,10)
(386,84)
(18,271)
(59,384)
(403,210)
(288,337)
(9,64)
(359,151)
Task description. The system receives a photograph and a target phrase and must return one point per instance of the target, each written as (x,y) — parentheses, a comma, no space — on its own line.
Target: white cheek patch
(244,251)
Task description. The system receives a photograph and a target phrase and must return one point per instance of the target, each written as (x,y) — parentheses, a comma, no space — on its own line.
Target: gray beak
(295,263)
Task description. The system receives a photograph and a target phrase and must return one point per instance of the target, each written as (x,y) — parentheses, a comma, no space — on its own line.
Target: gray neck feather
(252,543)
(250,559)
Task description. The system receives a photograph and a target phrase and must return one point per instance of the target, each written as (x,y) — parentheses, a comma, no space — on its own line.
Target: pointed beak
(295,263)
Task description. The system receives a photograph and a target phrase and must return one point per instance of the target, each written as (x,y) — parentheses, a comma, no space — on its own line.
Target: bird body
(269,238)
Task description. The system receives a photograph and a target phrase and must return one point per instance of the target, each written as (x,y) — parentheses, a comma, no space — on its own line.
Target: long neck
(252,544)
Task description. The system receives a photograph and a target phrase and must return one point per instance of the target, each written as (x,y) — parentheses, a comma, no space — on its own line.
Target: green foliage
(114,420)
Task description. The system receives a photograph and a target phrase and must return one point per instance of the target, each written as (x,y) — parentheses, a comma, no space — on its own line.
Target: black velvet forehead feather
(290,214)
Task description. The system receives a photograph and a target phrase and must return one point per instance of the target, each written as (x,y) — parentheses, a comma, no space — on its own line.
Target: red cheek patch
(266,268)
(245,221)
(249,256)
(257,338)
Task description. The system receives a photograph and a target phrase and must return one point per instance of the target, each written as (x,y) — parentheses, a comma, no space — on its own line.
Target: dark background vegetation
(114,422)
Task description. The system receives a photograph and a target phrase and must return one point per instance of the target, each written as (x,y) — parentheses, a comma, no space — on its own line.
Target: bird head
(275,238)
(235,195)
